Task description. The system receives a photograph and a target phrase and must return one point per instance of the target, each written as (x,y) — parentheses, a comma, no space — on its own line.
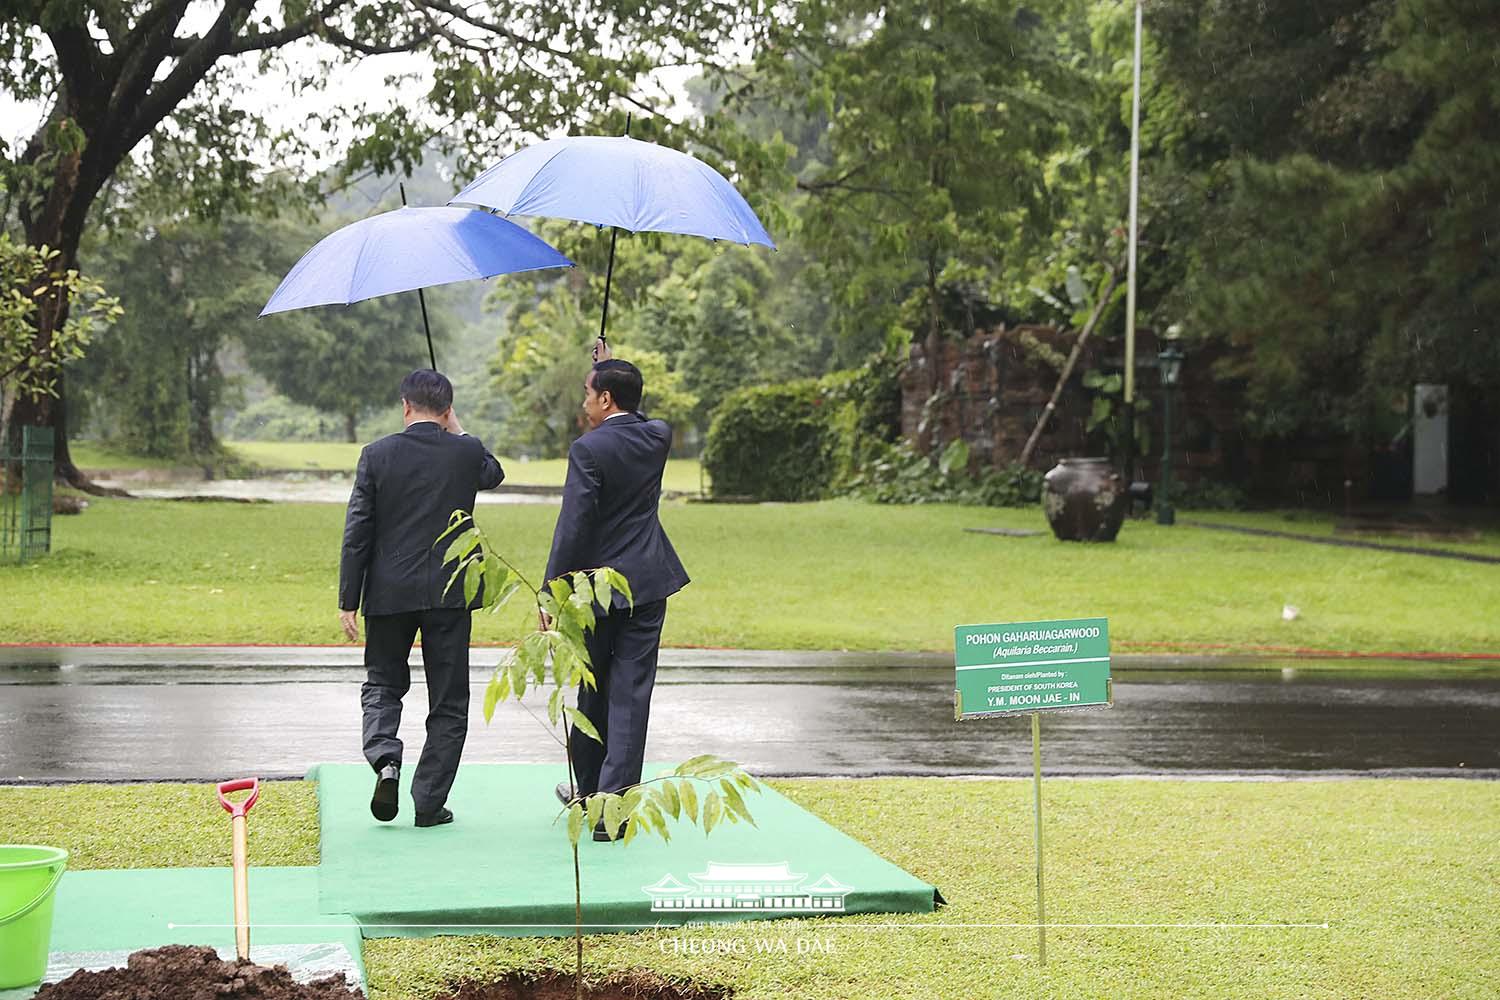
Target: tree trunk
(934,345)
(57,223)
(350,420)
(1067,369)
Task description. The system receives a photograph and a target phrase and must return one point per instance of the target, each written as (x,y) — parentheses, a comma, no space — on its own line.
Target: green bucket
(28,882)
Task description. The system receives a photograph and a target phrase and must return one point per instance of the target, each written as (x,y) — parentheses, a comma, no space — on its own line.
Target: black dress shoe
(563,795)
(386,801)
(439,818)
(601,834)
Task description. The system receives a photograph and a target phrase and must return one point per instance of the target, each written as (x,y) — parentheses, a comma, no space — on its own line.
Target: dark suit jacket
(405,488)
(609,509)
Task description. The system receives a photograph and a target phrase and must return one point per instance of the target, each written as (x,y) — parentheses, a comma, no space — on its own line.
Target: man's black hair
(428,391)
(622,380)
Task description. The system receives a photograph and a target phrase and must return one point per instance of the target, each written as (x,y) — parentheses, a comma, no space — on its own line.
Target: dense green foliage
(1342,241)
(27,275)
(804,439)
(1317,192)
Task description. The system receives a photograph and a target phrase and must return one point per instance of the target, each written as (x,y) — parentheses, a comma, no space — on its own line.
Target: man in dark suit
(609,518)
(405,488)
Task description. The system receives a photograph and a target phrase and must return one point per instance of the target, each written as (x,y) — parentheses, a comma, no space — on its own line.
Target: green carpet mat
(99,917)
(504,866)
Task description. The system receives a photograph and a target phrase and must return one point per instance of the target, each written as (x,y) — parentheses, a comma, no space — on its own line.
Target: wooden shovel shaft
(241,889)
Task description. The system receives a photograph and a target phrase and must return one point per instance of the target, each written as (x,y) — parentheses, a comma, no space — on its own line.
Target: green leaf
(494,694)
(667,796)
(614,814)
(955,457)
(554,705)
(603,592)
(690,767)
(532,654)
(576,815)
(657,820)
(456,520)
(583,590)
(461,546)
(736,804)
(713,808)
(630,831)
(472,576)
(1092,379)
(461,568)
(504,592)
(1102,410)
(596,808)
(1078,292)
(689,797)
(618,582)
(583,725)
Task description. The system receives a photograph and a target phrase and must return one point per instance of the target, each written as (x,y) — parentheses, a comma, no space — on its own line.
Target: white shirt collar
(621,413)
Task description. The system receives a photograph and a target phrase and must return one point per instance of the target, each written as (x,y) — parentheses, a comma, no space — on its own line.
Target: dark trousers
(445,654)
(622,649)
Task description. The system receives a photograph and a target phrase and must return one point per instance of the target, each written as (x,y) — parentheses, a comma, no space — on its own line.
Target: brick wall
(994,385)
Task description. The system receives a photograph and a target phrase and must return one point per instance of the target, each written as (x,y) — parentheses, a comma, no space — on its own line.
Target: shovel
(237,821)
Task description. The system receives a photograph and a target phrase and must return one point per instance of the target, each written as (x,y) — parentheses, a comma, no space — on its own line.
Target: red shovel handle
(252,785)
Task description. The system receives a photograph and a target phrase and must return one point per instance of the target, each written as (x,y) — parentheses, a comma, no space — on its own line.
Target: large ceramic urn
(1085,500)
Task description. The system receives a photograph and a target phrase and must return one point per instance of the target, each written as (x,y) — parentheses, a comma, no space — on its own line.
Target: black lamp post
(1169,362)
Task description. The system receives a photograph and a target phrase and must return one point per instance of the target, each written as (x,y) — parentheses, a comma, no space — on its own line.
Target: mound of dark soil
(184,972)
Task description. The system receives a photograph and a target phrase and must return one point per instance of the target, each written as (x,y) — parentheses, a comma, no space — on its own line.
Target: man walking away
(405,488)
(609,517)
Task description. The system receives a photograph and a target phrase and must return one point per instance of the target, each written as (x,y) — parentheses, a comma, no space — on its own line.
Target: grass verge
(838,575)
(683,475)
(1406,874)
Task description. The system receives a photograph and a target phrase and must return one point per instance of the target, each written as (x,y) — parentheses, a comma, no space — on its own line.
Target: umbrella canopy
(409,248)
(617,181)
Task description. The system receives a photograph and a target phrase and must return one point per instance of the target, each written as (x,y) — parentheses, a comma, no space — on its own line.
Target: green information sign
(1031,667)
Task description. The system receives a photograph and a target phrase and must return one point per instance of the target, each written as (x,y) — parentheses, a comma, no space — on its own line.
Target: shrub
(771,442)
(903,475)
(803,440)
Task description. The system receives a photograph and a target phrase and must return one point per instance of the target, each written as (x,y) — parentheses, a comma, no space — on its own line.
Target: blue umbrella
(409,248)
(621,182)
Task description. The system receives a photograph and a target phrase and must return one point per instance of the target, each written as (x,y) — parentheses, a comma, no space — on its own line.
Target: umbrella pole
(609,272)
(431,357)
(422,299)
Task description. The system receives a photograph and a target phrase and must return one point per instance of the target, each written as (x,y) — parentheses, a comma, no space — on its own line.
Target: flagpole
(1135,192)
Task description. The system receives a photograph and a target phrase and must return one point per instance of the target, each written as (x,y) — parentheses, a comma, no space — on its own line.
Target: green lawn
(683,475)
(93,456)
(1405,873)
(838,575)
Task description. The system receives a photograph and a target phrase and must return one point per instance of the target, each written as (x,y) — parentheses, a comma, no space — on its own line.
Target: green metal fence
(26,496)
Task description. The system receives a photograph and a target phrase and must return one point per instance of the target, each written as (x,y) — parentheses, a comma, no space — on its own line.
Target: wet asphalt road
(127,715)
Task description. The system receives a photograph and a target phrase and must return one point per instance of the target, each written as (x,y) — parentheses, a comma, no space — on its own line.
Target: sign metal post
(1031,668)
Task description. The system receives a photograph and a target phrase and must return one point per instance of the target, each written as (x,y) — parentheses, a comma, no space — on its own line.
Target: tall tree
(943,114)
(152,80)
(187,289)
(345,361)
(1346,154)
